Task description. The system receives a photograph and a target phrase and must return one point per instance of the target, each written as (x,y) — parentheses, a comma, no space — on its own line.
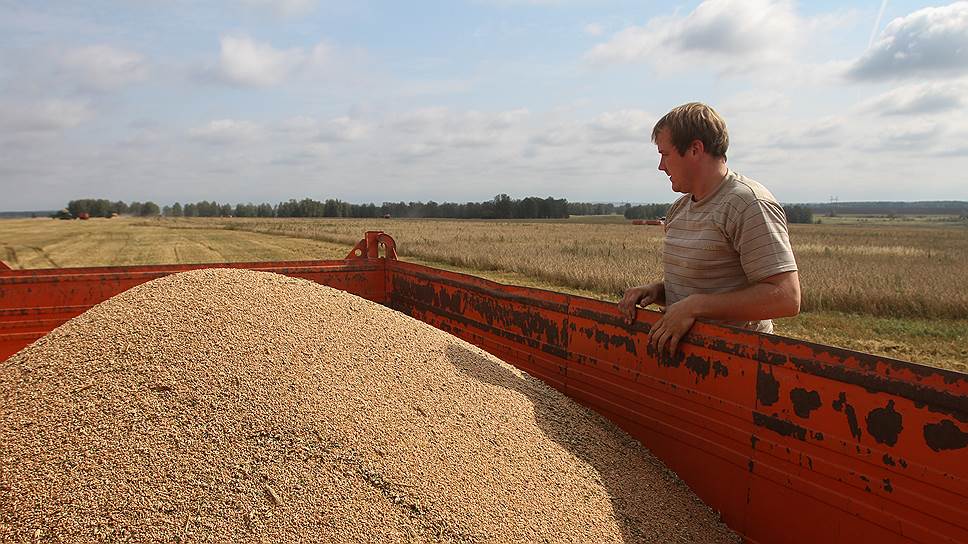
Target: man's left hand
(671,327)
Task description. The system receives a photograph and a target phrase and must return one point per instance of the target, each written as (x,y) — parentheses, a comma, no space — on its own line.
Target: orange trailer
(790,441)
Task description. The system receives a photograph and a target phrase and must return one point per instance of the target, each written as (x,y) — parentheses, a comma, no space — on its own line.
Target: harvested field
(230,405)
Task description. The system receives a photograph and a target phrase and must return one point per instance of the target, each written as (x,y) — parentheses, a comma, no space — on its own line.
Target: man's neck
(709,180)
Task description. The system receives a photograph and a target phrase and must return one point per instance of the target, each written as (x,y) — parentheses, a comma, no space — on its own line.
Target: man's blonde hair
(695,121)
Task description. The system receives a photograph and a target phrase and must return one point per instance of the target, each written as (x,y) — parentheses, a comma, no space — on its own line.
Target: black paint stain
(750,464)
(767,387)
(753,440)
(945,436)
(841,405)
(618,340)
(780,426)
(887,485)
(902,462)
(699,366)
(771,357)
(935,399)
(885,424)
(664,359)
(499,312)
(719,369)
(888,460)
(804,401)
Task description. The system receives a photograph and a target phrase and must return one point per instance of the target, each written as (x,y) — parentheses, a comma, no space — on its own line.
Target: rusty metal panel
(790,441)
(34,302)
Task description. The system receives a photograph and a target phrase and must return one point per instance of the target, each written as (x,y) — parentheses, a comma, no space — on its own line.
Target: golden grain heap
(238,406)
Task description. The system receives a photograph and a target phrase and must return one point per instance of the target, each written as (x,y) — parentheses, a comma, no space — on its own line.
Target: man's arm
(775,296)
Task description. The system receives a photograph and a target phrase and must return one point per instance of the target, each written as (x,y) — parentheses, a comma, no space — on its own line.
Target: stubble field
(893,288)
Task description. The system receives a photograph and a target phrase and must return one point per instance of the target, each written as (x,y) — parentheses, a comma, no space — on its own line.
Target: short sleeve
(760,236)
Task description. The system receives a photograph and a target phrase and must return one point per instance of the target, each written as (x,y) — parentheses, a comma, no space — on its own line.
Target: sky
(461,100)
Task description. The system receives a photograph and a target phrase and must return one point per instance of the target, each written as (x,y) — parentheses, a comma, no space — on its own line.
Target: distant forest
(500,207)
(936,207)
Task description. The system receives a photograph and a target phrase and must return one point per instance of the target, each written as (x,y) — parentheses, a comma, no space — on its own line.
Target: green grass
(941,343)
(873,220)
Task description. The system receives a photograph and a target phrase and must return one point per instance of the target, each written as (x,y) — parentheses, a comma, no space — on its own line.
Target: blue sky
(258,100)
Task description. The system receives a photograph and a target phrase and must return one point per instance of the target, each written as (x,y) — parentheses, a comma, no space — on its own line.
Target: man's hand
(775,296)
(644,295)
(675,322)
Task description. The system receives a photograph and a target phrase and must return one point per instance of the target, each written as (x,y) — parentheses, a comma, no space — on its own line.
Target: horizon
(622,203)
(254,100)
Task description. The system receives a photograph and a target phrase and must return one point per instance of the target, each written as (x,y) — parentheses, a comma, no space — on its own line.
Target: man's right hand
(644,295)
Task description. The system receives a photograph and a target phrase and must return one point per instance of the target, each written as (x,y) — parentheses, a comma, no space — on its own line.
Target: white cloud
(913,137)
(918,99)
(422,119)
(929,42)
(343,129)
(338,129)
(319,55)
(249,63)
(226,131)
(424,87)
(417,135)
(104,68)
(520,2)
(622,126)
(246,62)
(443,123)
(301,126)
(822,134)
(284,8)
(594,29)
(557,136)
(733,34)
(760,100)
(44,116)
(608,133)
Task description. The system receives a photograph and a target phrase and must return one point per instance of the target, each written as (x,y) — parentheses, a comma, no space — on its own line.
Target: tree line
(795,213)
(99,207)
(501,206)
(798,213)
(597,208)
(647,211)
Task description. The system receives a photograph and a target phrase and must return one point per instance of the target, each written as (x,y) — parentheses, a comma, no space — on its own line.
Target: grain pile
(230,405)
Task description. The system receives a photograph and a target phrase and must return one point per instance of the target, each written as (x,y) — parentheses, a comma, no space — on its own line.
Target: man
(727,255)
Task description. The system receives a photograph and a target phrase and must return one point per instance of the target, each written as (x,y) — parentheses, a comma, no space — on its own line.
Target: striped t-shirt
(729,240)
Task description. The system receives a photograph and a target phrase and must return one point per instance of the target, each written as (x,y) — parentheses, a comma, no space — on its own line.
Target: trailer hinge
(369,247)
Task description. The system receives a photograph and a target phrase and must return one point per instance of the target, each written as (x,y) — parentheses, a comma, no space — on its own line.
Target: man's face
(676,166)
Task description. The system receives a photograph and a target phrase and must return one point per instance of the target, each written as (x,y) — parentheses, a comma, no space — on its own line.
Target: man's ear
(696,148)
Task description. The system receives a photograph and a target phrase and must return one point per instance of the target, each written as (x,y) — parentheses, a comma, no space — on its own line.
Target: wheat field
(896,289)
(883,270)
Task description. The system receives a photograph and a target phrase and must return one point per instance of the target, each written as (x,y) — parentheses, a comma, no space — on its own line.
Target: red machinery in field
(790,441)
